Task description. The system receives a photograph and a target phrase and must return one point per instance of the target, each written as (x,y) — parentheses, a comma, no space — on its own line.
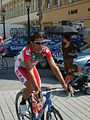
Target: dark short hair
(34,36)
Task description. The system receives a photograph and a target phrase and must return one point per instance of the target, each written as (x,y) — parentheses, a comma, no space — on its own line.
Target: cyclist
(2,46)
(26,71)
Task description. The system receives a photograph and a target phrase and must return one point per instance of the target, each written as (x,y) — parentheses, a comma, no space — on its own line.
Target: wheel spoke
(55,116)
(17,103)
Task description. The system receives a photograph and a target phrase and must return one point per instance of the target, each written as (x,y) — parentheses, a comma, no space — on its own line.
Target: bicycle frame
(48,103)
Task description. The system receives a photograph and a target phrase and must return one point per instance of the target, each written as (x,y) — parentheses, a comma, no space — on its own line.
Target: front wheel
(53,115)
(17,104)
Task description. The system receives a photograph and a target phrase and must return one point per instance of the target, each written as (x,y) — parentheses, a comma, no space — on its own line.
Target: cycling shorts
(23,76)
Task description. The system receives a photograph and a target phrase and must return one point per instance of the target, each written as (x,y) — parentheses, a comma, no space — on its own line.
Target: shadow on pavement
(62,93)
(10,75)
(46,75)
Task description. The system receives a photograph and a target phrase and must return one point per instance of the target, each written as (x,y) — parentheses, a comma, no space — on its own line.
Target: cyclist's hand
(37,95)
(69,89)
(66,88)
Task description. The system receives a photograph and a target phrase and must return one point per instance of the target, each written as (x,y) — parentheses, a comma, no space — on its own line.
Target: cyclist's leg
(21,74)
(24,78)
(29,86)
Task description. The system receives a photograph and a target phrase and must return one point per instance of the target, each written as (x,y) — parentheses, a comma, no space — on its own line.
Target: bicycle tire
(53,115)
(20,117)
(3,66)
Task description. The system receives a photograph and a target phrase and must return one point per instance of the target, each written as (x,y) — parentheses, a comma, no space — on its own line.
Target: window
(32,5)
(56,2)
(67,1)
(70,1)
(9,10)
(75,0)
(48,4)
(18,7)
(65,22)
(15,8)
(39,4)
(22,6)
(88,9)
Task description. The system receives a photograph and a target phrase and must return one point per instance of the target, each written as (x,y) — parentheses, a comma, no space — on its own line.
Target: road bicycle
(51,113)
(3,65)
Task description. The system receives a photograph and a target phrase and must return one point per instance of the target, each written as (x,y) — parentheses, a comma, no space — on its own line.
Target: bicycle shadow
(51,80)
(63,93)
(45,74)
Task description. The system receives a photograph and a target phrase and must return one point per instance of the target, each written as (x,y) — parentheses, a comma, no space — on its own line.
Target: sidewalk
(74,108)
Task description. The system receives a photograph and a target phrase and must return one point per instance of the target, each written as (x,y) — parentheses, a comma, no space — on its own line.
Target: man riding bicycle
(25,68)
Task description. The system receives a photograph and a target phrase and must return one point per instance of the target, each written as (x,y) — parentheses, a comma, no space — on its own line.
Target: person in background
(69,51)
(2,46)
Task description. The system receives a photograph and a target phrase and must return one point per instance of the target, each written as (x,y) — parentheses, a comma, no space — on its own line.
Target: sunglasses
(39,43)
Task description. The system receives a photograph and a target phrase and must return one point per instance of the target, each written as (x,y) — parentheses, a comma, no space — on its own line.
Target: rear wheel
(53,115)
(3,66)
(17,104)
(87,91)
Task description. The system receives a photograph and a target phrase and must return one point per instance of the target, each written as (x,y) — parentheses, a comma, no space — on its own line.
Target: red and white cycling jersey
(27,54)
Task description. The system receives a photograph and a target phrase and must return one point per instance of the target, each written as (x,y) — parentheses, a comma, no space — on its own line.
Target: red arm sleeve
(27,54)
